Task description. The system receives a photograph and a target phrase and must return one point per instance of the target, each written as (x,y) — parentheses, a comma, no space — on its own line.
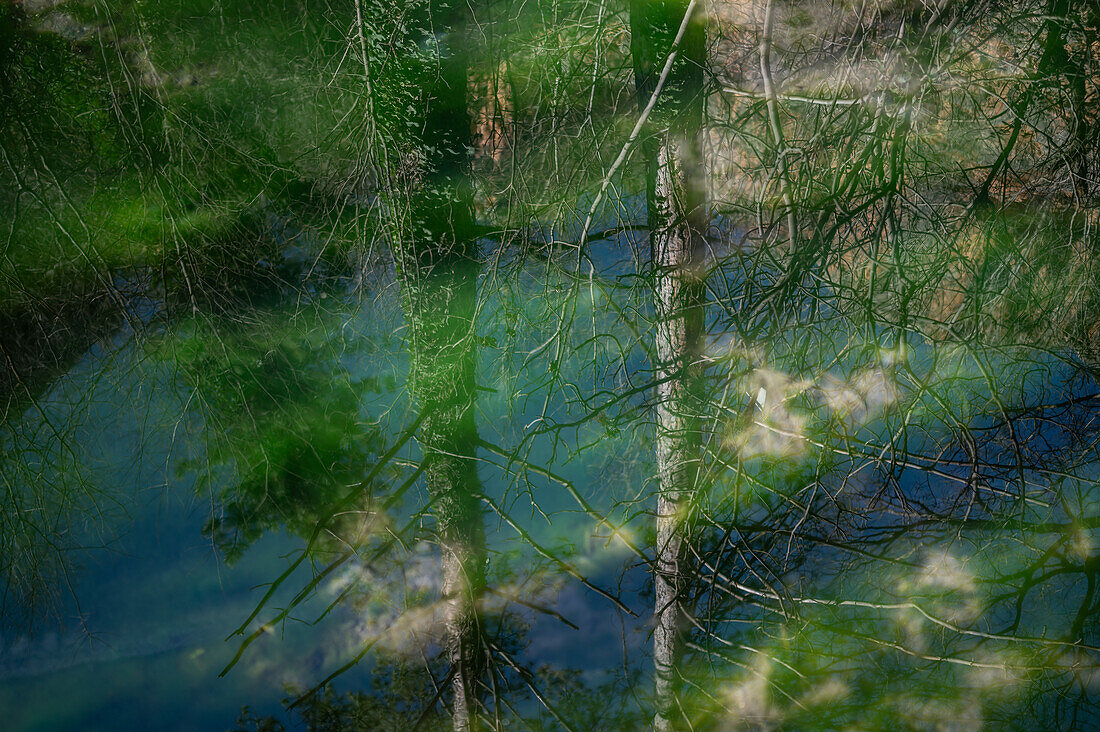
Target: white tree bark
(678,257)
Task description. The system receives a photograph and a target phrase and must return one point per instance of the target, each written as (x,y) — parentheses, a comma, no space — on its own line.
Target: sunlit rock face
(781,408)
(771,427)
(749,701)
(862,397)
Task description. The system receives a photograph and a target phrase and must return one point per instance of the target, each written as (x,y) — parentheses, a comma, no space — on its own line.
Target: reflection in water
(880,539)
(886,540)
(918,565)
(436,263)
(282,412)
(390,421)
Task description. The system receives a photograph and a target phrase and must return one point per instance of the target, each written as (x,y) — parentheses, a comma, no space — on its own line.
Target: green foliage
(283,415)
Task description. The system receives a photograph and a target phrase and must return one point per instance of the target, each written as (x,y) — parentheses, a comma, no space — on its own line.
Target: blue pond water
(122,452)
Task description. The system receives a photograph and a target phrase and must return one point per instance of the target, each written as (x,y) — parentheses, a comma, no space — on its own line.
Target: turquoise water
(136,447)
(144,600)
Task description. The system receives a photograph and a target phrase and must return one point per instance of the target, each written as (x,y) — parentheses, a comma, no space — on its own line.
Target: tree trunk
(677,219)
(437,265)
(679,296)
(440,308)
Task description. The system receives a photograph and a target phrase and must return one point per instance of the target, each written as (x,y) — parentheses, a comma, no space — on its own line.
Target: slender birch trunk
(677,253)
(677,220)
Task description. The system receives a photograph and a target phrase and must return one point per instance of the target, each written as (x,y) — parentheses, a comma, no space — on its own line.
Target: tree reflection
(283,416)
(399,690)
